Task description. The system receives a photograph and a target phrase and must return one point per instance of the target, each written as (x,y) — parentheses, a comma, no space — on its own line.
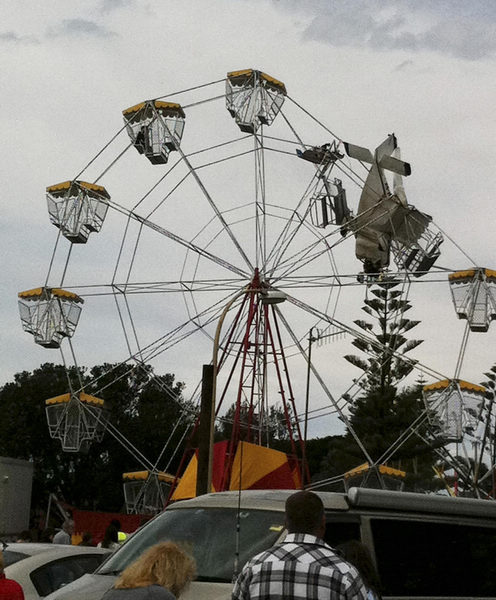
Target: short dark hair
(304,512)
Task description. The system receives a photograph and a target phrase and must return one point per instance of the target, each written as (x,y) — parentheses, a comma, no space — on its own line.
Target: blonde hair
(165,564)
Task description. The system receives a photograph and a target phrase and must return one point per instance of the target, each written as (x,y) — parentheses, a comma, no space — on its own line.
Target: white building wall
(16,478)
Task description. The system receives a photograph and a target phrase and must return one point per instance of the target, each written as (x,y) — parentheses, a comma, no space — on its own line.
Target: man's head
(305,514)
(68,526)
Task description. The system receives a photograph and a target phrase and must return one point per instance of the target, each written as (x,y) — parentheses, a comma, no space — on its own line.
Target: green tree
(273,429)
(143,407)
(386,344)
(382,412)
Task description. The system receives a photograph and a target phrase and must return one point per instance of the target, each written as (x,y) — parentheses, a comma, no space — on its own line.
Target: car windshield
(209,535)
(10,557)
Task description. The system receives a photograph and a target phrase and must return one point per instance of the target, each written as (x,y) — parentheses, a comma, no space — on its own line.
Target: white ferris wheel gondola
(146,492)
(76,420)
(474,296)
(253,98)
(49,314)
(77,208)
(454,407)
(155,128)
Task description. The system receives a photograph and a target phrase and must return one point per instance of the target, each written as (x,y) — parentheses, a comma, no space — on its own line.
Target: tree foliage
(385,344)
(143,407)
(272,428)
(381,413)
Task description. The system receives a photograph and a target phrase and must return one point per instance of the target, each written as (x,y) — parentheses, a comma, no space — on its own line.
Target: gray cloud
(482,10)
(12,37)
(81,27)
(9,36)
(458,28)
(110,5)
(406,64)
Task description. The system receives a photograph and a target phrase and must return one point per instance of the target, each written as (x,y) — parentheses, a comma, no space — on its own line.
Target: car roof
(355,498)
(32,548)
(46,552)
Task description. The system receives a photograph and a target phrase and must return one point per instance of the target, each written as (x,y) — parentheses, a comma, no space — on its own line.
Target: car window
(10,557)
(425,558)
(56,574)
(210,536)
(339,530)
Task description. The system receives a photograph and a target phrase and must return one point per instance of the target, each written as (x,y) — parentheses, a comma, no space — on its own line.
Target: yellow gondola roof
(65,398)
(171,108)
(464,385)
(383,469)
(245,74)
(66,185)
(460,276)
(143,476)
(44,293)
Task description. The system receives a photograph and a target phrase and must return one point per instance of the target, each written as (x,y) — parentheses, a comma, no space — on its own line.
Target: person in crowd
(161,573)
(64,535)
(87,539)
(121,535)
(9,589)
(47,535)
(358,555)
(110,539)
(24,536)
(303,565)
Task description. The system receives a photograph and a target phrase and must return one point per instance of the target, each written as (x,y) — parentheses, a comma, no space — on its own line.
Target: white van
(424,546)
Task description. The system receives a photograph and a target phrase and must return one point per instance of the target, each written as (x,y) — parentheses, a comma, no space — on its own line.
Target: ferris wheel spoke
(356,333)
(176,238)
(198,322)
(322,384)
(319,247)
(301,260)
(217,212)
(160,287)
(294,223)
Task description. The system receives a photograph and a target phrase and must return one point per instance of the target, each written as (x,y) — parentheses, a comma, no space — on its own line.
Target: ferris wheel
(236,222)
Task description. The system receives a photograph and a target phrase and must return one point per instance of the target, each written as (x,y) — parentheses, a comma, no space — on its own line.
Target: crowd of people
(302,566)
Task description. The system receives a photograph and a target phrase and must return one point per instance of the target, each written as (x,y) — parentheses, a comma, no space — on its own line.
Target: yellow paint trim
(468,274)
(45,293)
(472,387)
(159,104)
(383,469)
(439,385)
(90,399)
(67,295)
(464,385)
(247,73)
(62,399)
(275,82)
(66,185)
(143,476)
(242,73)
(35,292)
(65,398)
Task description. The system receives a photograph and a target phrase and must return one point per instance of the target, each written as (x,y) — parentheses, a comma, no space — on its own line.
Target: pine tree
(382,412)
(384,367)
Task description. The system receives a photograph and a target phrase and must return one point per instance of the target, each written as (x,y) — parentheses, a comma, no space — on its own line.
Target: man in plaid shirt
(303,566)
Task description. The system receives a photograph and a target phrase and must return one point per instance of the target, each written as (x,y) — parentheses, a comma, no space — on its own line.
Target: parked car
(44,568)
(423,545)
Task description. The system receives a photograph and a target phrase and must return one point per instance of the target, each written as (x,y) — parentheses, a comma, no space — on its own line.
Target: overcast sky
(424,70)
